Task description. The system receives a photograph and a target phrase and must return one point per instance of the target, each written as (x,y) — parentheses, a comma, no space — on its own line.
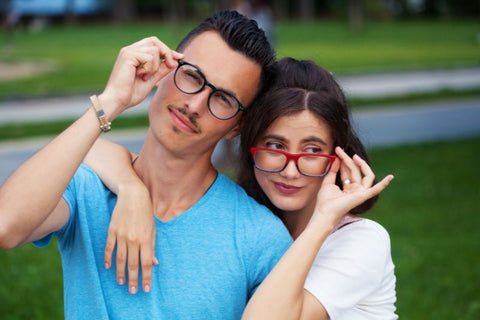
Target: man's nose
(197,103)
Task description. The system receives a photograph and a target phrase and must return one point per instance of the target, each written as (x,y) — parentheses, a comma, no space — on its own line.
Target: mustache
(192,118)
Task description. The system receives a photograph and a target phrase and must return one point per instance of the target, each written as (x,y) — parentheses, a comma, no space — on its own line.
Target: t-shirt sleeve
(271,241)
(70,198)
(349,266)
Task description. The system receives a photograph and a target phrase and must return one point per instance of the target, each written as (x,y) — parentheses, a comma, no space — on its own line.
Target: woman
(339,266)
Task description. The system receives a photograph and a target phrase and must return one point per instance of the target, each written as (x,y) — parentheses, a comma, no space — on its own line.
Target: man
(215,244)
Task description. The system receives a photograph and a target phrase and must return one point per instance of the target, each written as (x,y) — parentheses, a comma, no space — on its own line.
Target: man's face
(184,119)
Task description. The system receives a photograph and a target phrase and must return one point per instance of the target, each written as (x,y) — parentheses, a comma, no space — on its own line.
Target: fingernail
(133,290)
(147,288)
(155,261)
(107,265)
(121,281)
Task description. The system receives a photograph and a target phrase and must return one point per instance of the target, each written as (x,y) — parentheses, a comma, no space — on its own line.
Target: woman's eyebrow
(274,137)
(314,139)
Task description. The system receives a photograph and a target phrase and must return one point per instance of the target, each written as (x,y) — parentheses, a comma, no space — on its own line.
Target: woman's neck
(296,221)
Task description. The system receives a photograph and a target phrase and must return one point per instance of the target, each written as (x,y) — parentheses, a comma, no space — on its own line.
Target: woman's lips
(286,189)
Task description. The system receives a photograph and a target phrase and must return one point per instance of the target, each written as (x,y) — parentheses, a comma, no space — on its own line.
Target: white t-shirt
(353,273)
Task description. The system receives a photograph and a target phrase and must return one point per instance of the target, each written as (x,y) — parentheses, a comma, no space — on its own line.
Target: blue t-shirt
(212,257)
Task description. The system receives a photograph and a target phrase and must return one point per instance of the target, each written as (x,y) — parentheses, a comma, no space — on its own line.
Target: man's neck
(175,183)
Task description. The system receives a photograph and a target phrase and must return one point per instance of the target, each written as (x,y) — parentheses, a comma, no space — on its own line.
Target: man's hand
(138,68)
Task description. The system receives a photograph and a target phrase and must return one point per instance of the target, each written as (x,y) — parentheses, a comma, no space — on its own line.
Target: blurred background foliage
(70,47)
(430,210)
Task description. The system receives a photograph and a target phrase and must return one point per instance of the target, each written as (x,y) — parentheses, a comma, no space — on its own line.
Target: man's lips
(182,121)
(285,188)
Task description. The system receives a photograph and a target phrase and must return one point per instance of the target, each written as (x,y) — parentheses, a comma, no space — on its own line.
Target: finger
(165,52)
(152,62)
(146,63)
(154,258)
(160,74)
(133,253)
(368,175)
(344,170)
(380,186)
(121,257)
(109,247)
(146,261)
(177,55)
(331,176)
(351,171)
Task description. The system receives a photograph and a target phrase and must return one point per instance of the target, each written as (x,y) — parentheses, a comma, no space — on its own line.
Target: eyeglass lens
(315,165)
(221,104)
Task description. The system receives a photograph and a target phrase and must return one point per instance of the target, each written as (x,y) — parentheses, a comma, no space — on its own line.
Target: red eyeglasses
(308,164)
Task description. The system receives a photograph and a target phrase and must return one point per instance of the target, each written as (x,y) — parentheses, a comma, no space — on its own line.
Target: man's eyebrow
(218,88)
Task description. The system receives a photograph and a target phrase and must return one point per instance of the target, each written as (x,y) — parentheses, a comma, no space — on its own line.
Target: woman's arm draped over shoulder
(132,227)
(113,164)
(282,295)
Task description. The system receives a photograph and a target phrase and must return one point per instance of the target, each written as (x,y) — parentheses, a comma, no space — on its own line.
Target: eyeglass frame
(294,157)
(209,84)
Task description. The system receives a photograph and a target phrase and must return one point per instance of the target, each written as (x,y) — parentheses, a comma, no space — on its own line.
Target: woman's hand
(333,203)
(138,68)
(132,230)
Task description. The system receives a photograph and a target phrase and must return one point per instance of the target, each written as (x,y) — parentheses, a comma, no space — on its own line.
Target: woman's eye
(274,145)
(313,150)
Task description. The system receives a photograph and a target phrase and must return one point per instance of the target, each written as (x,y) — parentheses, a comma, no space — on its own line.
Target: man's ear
(235,131)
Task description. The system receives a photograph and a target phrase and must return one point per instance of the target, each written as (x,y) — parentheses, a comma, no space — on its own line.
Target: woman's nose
(290,170)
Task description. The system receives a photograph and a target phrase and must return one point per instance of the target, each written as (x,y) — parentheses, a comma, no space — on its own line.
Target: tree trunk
(306,9)
(70,12)
(355,15)
(125,11)
(178,10)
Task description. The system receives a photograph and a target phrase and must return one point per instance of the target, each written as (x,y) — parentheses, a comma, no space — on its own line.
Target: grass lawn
(83,55)
(382,46)
(430,211)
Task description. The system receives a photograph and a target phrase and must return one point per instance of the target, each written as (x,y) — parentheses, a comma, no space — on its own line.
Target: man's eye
(224,100)
(193,76)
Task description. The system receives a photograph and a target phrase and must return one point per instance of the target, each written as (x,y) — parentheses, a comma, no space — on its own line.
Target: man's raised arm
(30,199)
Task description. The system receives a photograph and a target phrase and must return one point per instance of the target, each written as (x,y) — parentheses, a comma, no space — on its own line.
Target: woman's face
(301,132)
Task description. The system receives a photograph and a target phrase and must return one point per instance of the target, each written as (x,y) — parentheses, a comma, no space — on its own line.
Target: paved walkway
(360,86)
(384,85)
(379,127)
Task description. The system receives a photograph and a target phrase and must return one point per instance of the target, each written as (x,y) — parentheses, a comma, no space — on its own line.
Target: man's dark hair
(242,35)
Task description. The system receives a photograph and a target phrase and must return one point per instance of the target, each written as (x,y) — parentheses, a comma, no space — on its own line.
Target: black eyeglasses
(308,164)
(221,104)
